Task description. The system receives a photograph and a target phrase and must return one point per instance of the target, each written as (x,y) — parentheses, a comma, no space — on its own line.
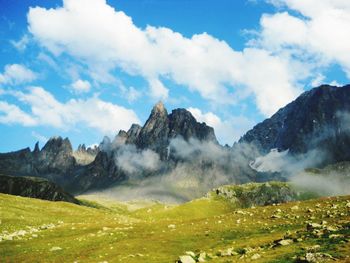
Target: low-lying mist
(193,167)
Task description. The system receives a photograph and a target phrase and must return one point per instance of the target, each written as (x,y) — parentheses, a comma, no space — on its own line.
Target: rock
(55,249)
(285,242)
(202,257)
(227,252)
(255,256)
(295,207)
(186,259)
(190,253)
(317,257)
(312,226)
(313,248)
(171,226)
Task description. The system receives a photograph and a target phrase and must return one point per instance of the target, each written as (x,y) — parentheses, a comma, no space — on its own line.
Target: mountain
(318,119)
(100,167)
(56,161)
(174,154)
(34,187)
(139,145)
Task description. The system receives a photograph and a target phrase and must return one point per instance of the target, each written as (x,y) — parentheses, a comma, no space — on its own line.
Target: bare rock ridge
(317,119)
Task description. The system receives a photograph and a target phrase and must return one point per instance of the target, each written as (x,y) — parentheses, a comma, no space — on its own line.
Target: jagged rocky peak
(133,133)
(120,139)
(317,119)
(182,122)
(36,148)
(56,155)
(81,148)
(58,144)
(159,109)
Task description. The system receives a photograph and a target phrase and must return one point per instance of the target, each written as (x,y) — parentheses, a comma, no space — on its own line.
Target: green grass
(104,230)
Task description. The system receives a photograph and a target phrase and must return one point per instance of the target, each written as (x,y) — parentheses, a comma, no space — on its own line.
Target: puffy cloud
(16,74)
(94,113)
(11,114)
(135,162)
(228,130)
(320,34)
(81,86)
(202,63)
(39,137)
(131,94)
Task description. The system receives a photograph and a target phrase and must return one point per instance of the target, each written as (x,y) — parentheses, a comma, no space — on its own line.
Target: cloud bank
(202,63)
(46,110)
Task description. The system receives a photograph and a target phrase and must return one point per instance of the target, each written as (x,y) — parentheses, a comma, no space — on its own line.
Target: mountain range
(178,149)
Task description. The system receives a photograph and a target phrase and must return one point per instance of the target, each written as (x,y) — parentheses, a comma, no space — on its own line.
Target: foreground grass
(103,231)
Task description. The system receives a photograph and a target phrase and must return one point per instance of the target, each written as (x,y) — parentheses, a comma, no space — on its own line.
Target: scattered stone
(171,226)
(227,252)
(255,256)
(55,249)
(186,259)
(285,242)
(295,207)
(190,253)
(202,257)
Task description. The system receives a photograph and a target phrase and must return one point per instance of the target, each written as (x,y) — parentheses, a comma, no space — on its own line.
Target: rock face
(319,118)
(155,136)
(161,127)
(34,187)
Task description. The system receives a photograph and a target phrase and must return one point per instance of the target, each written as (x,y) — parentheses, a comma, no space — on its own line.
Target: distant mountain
(86,169)
(154,137)
(318,119)
(175,153)
(34,187)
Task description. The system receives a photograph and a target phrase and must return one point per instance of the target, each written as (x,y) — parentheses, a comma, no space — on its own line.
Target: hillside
(34,187)
(214,228)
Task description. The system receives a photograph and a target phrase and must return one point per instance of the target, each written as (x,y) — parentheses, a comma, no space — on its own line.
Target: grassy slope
(115,232)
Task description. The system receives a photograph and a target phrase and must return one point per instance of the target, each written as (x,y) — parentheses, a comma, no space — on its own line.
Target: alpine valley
(168,191)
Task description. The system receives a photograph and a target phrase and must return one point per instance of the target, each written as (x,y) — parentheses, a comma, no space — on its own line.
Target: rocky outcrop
(318,119)
(161,128)
(34,187)
(84,156)
(256,194)
(55,157)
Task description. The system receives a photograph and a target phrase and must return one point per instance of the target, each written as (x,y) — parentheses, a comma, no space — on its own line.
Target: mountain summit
(317,119)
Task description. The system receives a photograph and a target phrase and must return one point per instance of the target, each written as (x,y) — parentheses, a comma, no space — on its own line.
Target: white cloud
(202,63)
(228,131)
(131,94)
(16,74)
(81,86)
(45,110)
(320,35)
(318,80)
(21,44)
(39,137)
(11,114)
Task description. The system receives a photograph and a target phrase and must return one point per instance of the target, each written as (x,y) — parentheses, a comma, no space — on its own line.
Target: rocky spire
(36,148)
(159,110)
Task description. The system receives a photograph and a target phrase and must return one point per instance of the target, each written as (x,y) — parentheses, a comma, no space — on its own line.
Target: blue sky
(87,68)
